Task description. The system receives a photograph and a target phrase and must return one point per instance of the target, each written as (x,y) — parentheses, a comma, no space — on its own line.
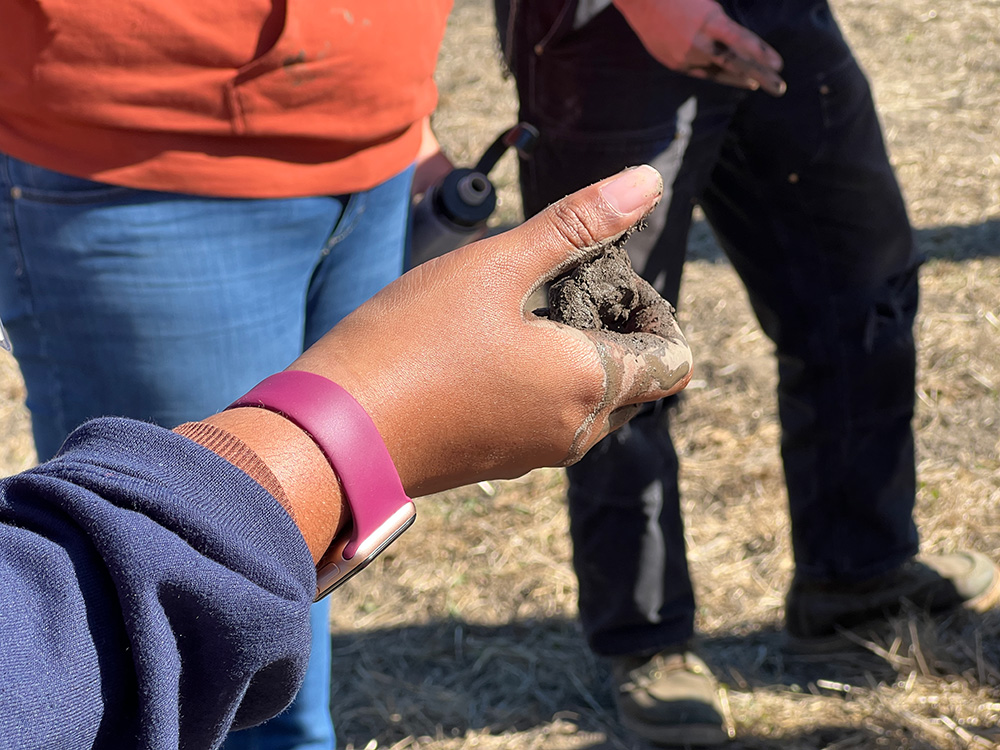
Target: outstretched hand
(465,384)
(698,38)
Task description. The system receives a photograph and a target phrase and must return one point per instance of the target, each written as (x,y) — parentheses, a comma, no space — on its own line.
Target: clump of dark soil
(603,293)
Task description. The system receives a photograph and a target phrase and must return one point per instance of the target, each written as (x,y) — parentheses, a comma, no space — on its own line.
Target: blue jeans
(165,307)
(803,200)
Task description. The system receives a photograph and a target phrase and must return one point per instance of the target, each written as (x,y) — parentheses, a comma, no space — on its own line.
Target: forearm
(157,590)
(128,558)
(278,450)
(672,21)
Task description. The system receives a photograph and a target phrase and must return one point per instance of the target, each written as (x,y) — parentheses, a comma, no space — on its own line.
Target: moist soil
(600,293)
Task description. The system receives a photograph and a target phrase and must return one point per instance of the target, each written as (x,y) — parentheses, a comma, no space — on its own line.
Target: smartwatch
(339,425)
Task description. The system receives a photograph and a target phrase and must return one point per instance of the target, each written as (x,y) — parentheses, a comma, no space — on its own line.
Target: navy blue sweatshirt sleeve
(152,595)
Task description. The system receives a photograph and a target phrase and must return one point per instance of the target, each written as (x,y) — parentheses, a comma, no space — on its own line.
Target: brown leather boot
(816,613)
(670,698)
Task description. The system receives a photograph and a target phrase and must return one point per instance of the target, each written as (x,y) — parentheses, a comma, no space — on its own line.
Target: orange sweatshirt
(255,98)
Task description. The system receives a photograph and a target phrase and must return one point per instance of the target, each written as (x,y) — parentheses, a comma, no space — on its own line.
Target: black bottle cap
(466,197)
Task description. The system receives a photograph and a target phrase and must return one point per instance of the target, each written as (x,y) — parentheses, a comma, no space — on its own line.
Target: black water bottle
(454,211)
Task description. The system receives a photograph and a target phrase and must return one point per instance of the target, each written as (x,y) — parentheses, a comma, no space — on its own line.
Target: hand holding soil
(476,387)
(628,319)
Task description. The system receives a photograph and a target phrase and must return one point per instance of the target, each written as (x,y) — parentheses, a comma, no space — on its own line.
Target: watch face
(334,569)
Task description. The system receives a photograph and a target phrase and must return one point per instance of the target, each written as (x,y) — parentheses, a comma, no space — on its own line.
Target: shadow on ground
(444,679)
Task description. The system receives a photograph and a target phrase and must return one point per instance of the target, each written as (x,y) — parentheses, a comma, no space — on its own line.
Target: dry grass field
(464,634)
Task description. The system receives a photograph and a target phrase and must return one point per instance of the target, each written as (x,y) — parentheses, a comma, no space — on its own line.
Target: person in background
(157,585)
(193,192)
(760,114)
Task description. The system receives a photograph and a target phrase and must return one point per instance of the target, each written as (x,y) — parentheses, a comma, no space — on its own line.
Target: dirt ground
(464,634)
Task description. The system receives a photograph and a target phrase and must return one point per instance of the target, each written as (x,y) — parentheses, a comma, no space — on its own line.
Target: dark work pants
(802,198)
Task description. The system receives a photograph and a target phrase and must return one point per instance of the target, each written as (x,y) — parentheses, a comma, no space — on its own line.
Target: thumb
(577,227)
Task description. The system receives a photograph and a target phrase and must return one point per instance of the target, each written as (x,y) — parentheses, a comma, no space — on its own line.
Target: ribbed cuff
(238,453)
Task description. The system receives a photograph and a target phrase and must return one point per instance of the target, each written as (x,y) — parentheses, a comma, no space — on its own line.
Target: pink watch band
(345,433)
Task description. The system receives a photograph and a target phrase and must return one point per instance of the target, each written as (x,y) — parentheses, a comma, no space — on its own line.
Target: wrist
(667,29)
(312,493)
(238,453)
(345,434)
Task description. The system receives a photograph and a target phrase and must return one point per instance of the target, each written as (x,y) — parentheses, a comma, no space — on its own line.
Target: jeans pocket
(844,93)
(32,182)
(844,99)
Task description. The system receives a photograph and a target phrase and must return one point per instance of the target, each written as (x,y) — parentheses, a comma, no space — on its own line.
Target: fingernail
(634,188)
(775,86)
